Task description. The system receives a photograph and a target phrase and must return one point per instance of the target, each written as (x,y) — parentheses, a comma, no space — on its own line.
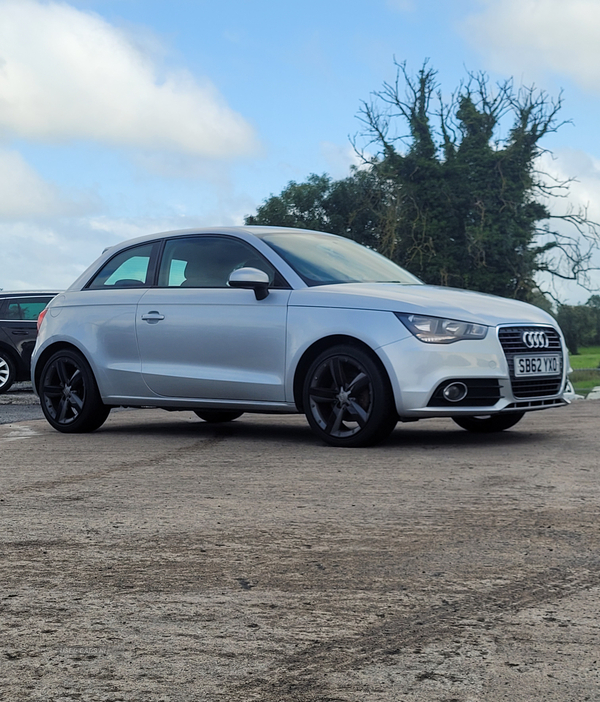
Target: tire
(218,416)
(69,395)
(348,400)
(8,372)
(490,423)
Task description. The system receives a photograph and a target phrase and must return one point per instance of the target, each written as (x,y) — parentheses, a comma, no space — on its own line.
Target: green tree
(578,324)
(593,304)
(444,194)
(350,207)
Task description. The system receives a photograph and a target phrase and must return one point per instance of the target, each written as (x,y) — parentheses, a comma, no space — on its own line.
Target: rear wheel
(69,395)
(490,423)
(347,398)
(7,372)
(218,416)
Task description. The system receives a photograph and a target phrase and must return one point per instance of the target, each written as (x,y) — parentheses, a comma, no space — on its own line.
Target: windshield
(321,259)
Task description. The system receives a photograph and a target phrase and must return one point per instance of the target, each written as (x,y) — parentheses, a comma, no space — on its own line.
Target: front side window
(207,262)
(129,269)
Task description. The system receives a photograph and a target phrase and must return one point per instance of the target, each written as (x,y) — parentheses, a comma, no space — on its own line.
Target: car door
(19,320)
(200,338)
(101,317)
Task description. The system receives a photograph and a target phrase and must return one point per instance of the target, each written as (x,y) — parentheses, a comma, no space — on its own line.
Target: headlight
(435,330)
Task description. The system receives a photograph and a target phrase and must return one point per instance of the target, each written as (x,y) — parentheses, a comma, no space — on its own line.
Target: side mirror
(251,279)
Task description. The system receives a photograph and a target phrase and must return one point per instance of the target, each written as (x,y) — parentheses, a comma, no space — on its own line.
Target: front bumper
(419,372)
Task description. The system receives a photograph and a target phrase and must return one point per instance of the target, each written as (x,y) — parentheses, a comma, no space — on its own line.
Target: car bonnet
(431,300)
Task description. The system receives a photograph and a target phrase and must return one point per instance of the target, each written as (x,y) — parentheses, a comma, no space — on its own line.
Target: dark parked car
(18,330)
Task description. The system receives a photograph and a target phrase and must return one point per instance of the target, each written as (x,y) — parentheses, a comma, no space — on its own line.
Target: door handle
(153,317)
(20,332)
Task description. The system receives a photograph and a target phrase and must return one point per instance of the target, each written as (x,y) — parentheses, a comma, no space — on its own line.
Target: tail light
(40,318)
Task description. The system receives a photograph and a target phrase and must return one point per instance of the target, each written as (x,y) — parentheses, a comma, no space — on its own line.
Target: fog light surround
(455,392)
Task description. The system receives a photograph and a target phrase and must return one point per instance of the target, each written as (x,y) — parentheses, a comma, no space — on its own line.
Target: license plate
(537,365)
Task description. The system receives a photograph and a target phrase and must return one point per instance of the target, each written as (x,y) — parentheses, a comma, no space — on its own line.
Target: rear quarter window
(131,268)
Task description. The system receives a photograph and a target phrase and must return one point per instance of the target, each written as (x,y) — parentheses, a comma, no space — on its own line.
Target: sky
(120,118)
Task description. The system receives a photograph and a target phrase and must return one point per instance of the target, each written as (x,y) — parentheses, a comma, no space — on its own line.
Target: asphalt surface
(162,559)
(19,404)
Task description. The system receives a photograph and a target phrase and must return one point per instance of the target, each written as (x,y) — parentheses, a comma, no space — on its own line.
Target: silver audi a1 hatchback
(224,321)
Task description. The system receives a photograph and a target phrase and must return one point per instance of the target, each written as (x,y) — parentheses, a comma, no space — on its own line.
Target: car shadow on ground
(293,430)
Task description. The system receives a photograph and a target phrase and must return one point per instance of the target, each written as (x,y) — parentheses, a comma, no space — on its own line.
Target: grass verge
(586,369)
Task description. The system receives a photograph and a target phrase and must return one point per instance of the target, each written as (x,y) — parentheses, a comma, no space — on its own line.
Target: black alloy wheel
(7,372)
(69,395)
(490,423)
(348,400)
(217,416)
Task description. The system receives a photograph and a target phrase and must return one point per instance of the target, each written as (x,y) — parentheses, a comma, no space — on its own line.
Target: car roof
(252,230)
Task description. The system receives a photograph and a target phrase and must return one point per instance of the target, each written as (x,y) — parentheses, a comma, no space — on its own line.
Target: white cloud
(583,171)
(51,255)
(23,193)
(580,197)
(339,158)
(66,74)
(39,257)
(534,36)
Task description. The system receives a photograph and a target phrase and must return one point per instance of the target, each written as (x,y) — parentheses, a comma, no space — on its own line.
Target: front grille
(511,339)
(482,392)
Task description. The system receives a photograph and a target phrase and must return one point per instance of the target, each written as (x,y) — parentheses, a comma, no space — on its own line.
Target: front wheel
(347,398)
(7,372)
(490,423)
(69,395)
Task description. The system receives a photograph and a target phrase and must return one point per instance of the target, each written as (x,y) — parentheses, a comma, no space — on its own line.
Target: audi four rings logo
(536,339)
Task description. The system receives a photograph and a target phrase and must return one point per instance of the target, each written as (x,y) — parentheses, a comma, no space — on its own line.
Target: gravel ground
(162,559)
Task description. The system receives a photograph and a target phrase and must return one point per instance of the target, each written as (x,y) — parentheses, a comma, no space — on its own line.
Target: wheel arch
(14,356)
(318,347)
(16,368)
(47,352)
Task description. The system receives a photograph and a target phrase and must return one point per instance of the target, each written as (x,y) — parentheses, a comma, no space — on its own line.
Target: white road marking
(19,431)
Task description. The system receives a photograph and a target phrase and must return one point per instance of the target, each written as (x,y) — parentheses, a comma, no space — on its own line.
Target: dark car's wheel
(69,395)
(7,372)
(347,398)
(490,423)
(217,416)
